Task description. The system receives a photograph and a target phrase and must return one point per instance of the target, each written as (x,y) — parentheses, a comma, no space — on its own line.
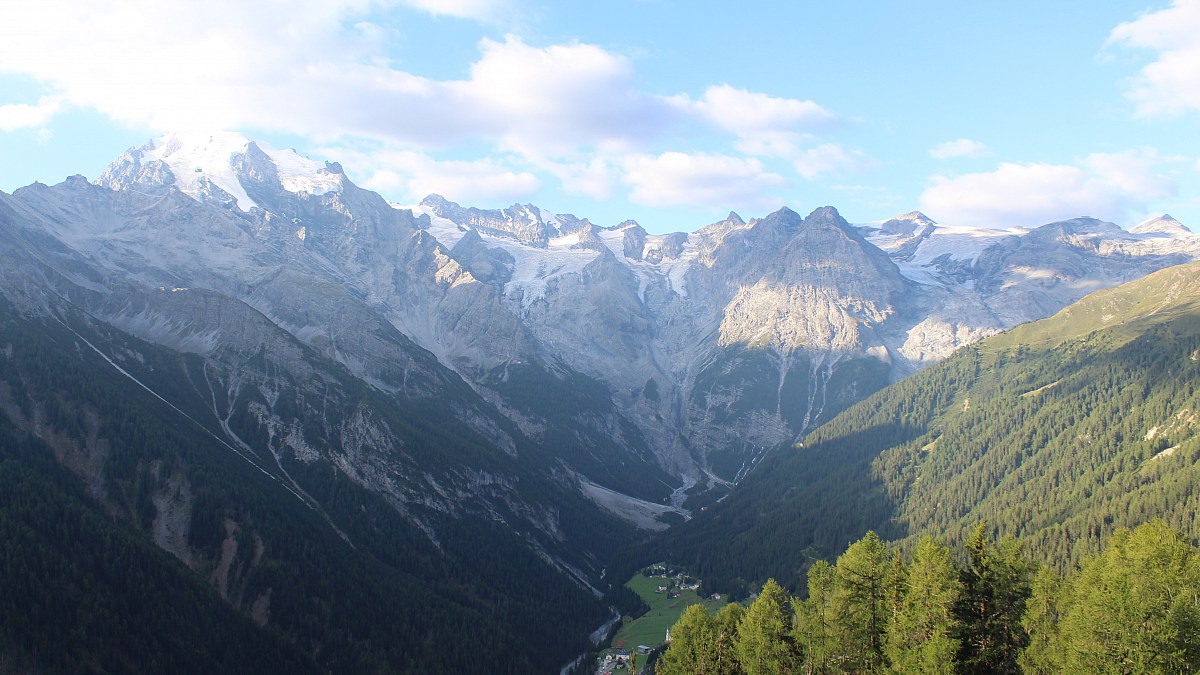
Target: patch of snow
(676,277)
(298,173)
(197,158)
(550,219)
(536,268)
(960,244)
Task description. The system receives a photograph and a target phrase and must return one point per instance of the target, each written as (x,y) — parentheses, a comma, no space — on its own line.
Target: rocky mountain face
(725,342)
(641,363)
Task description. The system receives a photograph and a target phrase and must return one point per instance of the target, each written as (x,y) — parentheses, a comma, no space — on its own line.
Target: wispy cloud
(467,9)
(23,115)
(773,127)
(748,114)
(415,175)
(962,147)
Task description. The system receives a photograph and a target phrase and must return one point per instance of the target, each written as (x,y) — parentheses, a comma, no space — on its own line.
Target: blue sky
(668,112)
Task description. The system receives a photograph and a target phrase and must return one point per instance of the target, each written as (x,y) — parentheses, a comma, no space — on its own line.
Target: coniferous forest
(268,585)
(1132,608)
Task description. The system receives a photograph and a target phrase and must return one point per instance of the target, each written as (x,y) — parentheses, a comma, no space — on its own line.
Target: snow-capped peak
(203,158)
(199,162)
(1163,224)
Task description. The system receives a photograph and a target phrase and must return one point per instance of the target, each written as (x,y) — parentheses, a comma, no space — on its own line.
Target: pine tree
(815,618)
(995,589)
(1043,655)
(702,643)
(921,634)
(1136,606)
(859,599)
(693,644)
(727,621)
(764,641)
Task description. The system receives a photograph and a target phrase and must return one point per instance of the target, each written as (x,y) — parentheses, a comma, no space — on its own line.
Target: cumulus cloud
(1107,186)
(1169,85)
(554,99)
(681,179)
(962,147)
(749,114)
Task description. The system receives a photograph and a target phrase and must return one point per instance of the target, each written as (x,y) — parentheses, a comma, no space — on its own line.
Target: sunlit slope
(1056,432)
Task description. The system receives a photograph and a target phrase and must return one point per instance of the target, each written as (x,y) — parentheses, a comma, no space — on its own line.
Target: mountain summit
(222,168)
(1163,224)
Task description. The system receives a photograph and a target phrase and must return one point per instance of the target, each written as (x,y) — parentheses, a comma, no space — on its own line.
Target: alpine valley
(280,424)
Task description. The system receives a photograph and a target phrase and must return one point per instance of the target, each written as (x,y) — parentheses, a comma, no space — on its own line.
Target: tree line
(1132,608)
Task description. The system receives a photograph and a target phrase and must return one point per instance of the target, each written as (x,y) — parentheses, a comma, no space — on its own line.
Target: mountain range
(511,381)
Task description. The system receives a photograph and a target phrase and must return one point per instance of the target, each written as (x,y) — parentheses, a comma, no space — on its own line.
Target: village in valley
(638,642)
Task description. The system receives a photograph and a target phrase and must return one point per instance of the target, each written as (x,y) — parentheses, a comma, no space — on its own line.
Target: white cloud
(1170,85)
(1132,173)
(749,114)
(808,158)
(321,69)
(594,177)
(175,64)
(466,9)
(553,100)
(768,126)
(1107,186)
(318,68)
(962,147)
(828,158)
(23,115)
(704,180)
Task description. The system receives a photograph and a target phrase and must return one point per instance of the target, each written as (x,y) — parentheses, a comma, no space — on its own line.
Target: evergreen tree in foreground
(995,585)
(1134,608)
(764,641)
(921,633)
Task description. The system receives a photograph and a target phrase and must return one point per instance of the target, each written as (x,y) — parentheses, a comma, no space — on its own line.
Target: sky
(669,112)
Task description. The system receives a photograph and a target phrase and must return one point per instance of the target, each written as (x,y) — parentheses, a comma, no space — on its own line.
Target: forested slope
(95,470)
(1057,433)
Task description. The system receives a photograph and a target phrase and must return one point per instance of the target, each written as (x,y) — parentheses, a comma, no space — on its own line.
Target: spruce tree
(995,587)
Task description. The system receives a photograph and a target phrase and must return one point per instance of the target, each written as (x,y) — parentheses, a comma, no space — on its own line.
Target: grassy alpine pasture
(651,627)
